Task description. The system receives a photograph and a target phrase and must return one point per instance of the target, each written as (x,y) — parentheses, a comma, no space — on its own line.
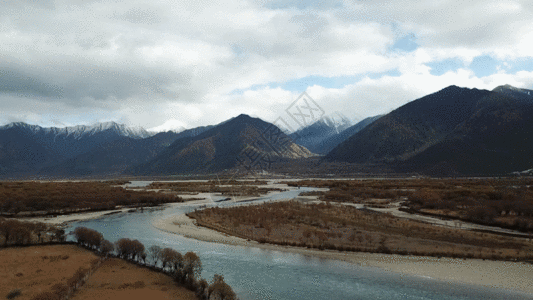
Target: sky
(157,64)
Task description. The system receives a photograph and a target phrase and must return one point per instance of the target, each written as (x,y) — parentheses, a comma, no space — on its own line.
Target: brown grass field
(39,272)
(339,227)
(118,279)
(38,269)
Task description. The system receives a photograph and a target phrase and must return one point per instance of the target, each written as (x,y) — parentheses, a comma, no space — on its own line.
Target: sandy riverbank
(497,274)
(64,219)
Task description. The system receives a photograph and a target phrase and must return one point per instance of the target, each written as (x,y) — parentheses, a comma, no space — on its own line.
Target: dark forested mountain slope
(411,128)
(19,152)
(453,131)
(497,139)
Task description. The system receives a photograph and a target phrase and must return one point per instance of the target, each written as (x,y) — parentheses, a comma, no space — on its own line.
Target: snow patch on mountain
(80,131)
(336,121)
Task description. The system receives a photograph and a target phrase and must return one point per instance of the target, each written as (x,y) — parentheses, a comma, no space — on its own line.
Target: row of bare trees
(14,232)
(185,269)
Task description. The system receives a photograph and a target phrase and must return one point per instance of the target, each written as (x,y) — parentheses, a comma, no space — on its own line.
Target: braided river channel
(255,273)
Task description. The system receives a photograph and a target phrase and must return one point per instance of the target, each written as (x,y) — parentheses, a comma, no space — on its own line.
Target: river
(268,274)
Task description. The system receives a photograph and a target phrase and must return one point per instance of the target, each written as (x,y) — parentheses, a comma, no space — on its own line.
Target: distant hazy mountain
(453,131)
(328,144)
(313,136)
(26,148)
(513,92)
(221,147)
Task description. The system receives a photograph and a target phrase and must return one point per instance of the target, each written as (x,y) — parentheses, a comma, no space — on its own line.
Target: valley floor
(498,274)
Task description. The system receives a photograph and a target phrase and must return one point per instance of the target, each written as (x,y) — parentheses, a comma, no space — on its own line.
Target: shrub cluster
(15,232)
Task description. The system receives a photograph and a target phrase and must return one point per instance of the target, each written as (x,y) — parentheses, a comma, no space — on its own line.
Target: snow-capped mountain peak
(121,129)
(337,121)
(80,131)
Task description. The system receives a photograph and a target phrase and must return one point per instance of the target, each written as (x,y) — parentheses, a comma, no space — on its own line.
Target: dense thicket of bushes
(224,187)
(14,232)
(65,197)
(501,202)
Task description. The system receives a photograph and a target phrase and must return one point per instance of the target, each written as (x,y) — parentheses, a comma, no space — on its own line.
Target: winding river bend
(268,274)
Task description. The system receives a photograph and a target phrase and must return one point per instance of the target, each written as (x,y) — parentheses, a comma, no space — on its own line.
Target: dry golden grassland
(38,269)
(339,227)
(38,198)
(55,271)
(225,187)
(118,279)
(498,202)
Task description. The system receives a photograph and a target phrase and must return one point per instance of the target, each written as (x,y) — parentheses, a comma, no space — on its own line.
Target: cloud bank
(144,63)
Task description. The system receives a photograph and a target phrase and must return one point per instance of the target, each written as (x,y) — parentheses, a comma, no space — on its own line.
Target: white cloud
(169,125)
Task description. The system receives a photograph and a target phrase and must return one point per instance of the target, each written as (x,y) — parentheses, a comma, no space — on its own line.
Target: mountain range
(454,131)
(113,158)
(26,148)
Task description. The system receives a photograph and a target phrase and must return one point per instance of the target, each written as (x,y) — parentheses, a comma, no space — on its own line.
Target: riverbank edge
(514,276)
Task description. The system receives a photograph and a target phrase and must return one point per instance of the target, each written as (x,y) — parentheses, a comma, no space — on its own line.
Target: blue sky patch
(406,43)
(521,64)
(484,66)
(301,84)
(441,67)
